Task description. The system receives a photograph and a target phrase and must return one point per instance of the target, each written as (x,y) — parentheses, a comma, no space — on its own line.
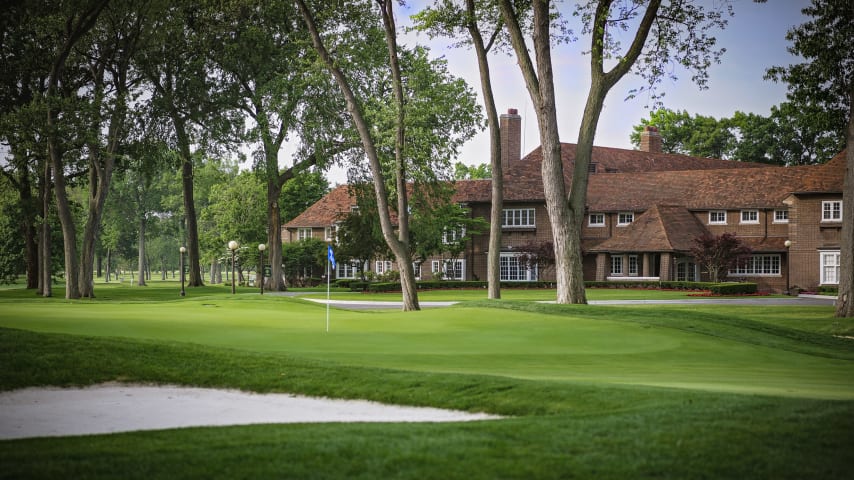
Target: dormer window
(625,218)
(750,216)
(596,220)
(717,217)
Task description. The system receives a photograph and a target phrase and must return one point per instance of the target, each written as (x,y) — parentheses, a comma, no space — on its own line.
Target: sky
(755,39)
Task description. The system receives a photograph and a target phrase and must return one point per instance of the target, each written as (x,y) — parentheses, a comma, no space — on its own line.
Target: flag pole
(328,274)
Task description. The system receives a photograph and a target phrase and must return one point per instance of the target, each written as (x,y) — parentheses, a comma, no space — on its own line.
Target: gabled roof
(647,179)
(662,228)
(825,178)
(696,190)
(325,211)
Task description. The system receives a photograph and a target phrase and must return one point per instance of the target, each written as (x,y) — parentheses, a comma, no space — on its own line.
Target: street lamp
(183,250)
(787,244)
(232,245)
(261,248)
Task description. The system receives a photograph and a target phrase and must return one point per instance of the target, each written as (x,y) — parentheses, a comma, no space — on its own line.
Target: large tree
(826,79)
(790,135)
(194,104)
(679,32)
(76,23)
(410,138)
(261,50)
(471,20)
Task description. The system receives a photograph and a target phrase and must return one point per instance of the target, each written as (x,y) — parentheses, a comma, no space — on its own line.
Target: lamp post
(232,245)
(788,243)
(261,248)
(183,250)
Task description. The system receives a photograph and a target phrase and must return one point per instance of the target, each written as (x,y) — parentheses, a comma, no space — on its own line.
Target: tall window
(759,265)
(625,218)
(303,233)
(511,270)
(781,216)
(717,217)
(452,269)
(518,218)
(750,216)
(382,266)
(830,268)
(831,211)
(331,233)
(633,265)
(616,265)
(596,220)
(453,235)
(346,270)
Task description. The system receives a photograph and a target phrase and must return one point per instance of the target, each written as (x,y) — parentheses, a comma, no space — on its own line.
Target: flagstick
(328,274)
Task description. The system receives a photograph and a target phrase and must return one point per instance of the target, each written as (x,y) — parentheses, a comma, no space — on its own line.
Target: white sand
(108,408)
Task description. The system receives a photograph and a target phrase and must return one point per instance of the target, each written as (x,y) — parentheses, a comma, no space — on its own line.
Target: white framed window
(354,209)
(303,233)
(346,270)
(331,233)
(625,218)
(382,266)
(831,211)
(717,217)
(416,267)
(616,265)
(511,270)
(452,269)
(750,216)
(518,218)
(633,265)
(781,216)
(830,268)
(453,235)
(596,220)
(759,265)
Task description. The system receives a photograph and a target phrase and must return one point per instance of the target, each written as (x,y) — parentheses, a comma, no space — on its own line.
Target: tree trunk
(28,227)
(274,236)
(141,252)
(45,272)
(845,302)
(493,272)
(109,262)
(66,220)
(400,249)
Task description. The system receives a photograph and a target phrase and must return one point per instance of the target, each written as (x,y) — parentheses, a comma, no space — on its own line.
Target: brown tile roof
(825,178)
(647,179)
(696,190)
(765,244)
(325,211)
(662,228)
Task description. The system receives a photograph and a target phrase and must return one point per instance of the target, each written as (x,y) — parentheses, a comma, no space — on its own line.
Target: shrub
(828,290)
(733,288)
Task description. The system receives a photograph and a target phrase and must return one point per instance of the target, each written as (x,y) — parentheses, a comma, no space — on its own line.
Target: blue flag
(331,255)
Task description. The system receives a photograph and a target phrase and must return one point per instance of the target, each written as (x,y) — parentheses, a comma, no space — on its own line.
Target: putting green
(581,346)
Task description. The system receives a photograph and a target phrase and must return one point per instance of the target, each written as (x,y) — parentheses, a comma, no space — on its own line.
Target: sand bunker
(109,408)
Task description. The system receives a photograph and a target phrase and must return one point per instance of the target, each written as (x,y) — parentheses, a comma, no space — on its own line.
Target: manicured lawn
(698,391)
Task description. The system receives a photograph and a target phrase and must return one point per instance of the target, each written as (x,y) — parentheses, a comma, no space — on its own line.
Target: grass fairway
(595,392)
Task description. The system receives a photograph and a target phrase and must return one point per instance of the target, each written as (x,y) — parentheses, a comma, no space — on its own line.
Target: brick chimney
(650,140)
(511,137)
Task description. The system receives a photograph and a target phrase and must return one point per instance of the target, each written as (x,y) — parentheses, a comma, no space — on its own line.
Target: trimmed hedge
(730,288)
(733,289)
(828,290)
